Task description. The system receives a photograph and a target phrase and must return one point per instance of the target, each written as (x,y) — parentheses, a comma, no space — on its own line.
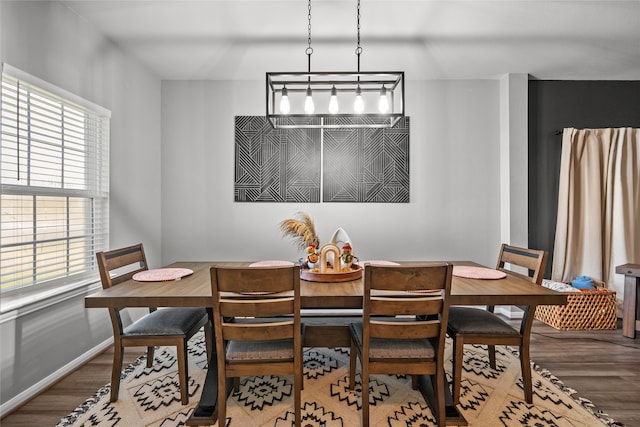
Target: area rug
(151,396)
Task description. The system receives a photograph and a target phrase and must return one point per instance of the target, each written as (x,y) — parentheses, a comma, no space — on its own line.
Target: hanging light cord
(309,50)
(358,49)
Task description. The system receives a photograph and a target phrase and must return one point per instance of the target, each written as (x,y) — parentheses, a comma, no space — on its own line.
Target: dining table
(328,308)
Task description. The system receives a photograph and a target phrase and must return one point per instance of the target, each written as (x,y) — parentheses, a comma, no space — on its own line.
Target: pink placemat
(472,272)
(271,263)
(162,274)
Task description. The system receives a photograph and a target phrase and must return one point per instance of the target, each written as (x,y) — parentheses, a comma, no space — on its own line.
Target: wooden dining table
(327,307)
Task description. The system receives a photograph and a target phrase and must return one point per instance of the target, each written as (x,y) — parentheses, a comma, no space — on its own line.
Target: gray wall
(454,211)
(48,41)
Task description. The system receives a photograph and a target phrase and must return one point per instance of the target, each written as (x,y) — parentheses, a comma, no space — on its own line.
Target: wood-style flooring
(603,366)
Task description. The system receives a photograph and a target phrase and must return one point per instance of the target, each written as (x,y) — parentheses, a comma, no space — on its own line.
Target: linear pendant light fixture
(360,99)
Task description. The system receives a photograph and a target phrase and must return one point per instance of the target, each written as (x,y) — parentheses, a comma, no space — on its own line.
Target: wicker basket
(584,311)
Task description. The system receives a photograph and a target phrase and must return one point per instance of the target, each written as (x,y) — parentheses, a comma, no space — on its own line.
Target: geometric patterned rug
(489,398)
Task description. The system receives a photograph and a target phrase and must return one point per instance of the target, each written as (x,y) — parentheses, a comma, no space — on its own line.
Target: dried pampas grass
(301,230)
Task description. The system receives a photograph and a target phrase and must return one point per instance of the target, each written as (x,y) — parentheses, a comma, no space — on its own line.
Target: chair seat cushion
(167,321)
(393,348)
(261,351)
(466,320)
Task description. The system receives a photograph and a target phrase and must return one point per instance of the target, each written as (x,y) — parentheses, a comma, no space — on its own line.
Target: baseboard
(509,311)
(14,403)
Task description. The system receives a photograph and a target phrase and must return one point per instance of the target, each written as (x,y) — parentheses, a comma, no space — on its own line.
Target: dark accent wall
(553,106)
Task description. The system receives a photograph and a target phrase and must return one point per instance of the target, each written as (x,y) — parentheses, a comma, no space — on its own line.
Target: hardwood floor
(59,400)
(603,366)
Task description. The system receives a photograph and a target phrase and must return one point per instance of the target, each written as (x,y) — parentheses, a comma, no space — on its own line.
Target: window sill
(27,302)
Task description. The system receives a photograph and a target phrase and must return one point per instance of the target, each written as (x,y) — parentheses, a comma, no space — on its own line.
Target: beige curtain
(598,224)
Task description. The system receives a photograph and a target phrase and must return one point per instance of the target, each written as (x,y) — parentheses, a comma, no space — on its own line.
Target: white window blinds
(54,176)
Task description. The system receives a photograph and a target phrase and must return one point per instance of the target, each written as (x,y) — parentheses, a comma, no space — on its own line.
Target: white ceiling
(428,39)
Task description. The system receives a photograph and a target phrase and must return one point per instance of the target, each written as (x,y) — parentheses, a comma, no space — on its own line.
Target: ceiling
(428,39)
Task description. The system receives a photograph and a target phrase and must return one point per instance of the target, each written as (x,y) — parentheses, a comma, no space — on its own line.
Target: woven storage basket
(584,311)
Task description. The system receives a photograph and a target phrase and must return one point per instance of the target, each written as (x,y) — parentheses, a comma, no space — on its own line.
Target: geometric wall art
(359,165)
(275,165)
(367,165)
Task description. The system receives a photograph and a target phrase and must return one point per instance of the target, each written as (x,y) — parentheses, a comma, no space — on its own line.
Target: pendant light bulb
(333,101)
(309,108)
(383,102)
(285,107)
(358,105)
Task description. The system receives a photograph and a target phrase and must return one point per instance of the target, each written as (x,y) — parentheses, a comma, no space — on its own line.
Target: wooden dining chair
(403,327)
(257,327)
(166,326)
(468,325)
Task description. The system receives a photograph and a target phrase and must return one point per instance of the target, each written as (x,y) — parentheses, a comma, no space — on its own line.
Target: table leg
(205,413)
(454,417)
(630,306)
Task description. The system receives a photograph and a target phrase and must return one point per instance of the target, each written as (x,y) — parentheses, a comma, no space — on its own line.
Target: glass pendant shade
(383,102)
(358,104)
(309,108)
(285,107)
(334,107)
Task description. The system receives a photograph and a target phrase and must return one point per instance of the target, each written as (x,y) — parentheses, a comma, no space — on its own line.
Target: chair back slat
(411,330)
(534,260)
(119,265)
(402,306)
(255,279)
(264,307)
(259,332)
(401,278)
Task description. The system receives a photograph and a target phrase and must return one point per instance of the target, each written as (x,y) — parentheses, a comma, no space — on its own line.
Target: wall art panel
(367,165)
(275,165)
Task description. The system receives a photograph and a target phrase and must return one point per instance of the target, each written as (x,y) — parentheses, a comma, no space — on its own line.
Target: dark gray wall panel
(275,165)
(367,165)
(553,106)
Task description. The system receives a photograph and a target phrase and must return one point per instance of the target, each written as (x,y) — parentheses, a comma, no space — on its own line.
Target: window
(54,176)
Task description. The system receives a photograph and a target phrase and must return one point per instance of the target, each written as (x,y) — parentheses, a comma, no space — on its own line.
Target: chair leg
(491,349)
(364,373)
(441,416)
(302,369)
(352,365)
(414,382)
(208,339)
(297,387)
(456,372)
(150,354)
(222,393)
(118,350)
(183,371)
(525,366)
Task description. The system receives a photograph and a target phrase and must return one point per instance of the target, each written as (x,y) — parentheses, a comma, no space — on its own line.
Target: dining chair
(469,325)
(163,327)
(257,327)
(403,327)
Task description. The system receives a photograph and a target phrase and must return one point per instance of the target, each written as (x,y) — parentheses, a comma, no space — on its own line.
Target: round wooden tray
(343,276)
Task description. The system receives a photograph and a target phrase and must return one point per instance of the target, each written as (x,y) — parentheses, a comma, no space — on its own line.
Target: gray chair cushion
(393,348)
(167,321)
(261,351)
(466,320)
